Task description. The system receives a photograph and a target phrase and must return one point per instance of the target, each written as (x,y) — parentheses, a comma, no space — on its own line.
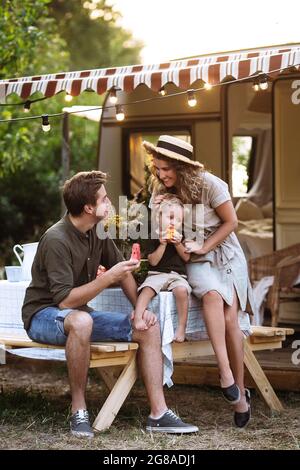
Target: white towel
(260,290)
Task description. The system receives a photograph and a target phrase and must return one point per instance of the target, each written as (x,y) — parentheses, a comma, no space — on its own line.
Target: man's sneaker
(170,423)
(80,424)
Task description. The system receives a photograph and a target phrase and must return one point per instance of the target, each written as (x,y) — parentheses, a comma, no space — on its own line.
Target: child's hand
(162,240)
(176,238)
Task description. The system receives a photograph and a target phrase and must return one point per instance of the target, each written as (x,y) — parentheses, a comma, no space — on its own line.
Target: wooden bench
(105,357)
(110,357)
(263,338)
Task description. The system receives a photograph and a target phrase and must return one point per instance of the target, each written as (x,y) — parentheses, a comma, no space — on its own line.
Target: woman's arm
(229,219)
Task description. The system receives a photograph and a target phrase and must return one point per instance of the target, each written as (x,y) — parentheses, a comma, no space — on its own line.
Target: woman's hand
(194,247)
(158,198)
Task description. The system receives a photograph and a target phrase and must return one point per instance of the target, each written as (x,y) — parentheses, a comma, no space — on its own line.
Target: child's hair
(167,207)
(170,200)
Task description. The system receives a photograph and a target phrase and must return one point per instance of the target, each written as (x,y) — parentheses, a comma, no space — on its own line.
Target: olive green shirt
(65,258)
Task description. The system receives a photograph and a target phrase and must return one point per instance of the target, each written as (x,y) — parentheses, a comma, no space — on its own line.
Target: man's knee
(152,335)
(79,322)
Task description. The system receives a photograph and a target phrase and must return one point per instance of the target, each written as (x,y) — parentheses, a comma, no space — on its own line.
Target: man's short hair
(81,189)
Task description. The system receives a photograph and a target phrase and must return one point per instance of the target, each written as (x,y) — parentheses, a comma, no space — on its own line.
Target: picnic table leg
(118,395)
(259,377)
(109,375)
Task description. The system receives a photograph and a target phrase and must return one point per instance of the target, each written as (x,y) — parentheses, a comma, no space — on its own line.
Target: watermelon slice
(136,252)
(170,232)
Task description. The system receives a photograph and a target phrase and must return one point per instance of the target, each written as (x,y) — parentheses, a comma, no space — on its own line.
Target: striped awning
(211,69)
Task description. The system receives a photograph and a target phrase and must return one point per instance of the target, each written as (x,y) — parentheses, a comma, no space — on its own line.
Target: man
(64,280)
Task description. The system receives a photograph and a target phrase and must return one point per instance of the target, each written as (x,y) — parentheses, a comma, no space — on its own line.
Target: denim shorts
(47,326)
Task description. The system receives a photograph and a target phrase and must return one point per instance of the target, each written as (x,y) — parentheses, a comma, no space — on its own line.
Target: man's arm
(83,294)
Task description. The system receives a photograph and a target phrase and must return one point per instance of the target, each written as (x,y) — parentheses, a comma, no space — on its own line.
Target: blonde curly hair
(189,185)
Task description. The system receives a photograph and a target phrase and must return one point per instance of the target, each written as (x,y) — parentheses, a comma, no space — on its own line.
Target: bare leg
(213,311)
(182,304)
(235,349)
(143,300)
(151,367)
(78,326)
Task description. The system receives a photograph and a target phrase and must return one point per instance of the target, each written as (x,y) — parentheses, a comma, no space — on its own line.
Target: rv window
(242,149)
(137,157)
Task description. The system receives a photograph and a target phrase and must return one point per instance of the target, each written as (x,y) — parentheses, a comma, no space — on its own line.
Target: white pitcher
(29,251)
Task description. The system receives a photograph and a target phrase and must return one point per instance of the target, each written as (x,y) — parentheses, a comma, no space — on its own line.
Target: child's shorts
(165,281)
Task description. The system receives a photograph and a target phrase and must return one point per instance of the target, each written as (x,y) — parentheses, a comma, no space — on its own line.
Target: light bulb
(120,115)
(208,86)
(264,85)
(27,106)
(113,96)
(162,91)
(68,97)
(255,86)
(45,123)
(191,98)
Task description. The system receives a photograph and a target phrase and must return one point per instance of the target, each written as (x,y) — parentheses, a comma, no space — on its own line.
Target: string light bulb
(208,86)
(256,86)
(68,97)
(120,115)
(192,101)
(45,123)
(27,106)
(113,96)
(263,85)
(162,91)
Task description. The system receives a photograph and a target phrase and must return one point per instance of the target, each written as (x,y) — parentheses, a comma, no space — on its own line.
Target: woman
(217,271)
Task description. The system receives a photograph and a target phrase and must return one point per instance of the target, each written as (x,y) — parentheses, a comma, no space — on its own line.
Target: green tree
(38,37)
(93,36)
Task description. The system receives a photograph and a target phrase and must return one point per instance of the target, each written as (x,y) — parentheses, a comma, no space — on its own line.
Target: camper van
(239,109)
(244,131)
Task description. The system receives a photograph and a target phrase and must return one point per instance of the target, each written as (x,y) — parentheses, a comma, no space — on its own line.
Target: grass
(34,414)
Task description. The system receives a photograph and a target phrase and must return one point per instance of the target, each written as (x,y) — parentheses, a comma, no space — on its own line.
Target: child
(167,256)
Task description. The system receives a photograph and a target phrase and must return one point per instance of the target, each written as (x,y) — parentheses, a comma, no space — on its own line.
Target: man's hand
(117,272)
(139,324)
(150,318)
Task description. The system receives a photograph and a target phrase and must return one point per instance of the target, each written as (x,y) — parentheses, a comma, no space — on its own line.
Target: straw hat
(174,148)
